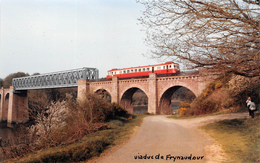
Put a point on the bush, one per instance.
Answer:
(182, 111)
(208, 102)
(218, 85)
(117, 110)
(226, 92)
(241, 87)
(184, 106)
(73, 153)
(66, 122)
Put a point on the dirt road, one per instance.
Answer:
(160, 139)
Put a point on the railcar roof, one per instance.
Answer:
(166, 63)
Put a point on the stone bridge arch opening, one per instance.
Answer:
(135, 100)
(104, 94)
(172, 97)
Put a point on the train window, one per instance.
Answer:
(128, 71)
(170, 66)
(132, 70)
(163, 67)
(124, 71)
(115, 72)
(135, 70)
(140, 70)
(148, 68)
(143, 69)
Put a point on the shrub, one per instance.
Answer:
(240, 87)
(54, 126)
(182, 111)
(130, 118)
(226, 92)
(184, 105)
(218, 85)
(48, 124)
(117, 110)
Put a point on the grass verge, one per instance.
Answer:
(239, 138)
(91, 145)
(178, 116)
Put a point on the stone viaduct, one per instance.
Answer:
(14, 104)
(158, 90)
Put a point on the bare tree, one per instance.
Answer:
(8, 79)
(1, 82)
(221, 35)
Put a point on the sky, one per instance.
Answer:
(46, 36)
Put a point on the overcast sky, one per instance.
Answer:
(54, 35)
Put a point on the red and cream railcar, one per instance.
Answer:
(168, 68)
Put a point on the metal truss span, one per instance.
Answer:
(60, 79)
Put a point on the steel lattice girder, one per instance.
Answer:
(60, 79)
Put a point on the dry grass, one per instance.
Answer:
(239, 138)
(90, 146)
(215, 154)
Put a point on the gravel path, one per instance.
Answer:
(164, 139)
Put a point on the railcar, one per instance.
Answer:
(165, 69)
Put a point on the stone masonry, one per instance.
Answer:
(13, 106)
(157, 89)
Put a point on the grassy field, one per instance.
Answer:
(90, 146)
(239, 138)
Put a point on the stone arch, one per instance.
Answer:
(95, 89)
(126, 98)
(104, 94)
(165, 99)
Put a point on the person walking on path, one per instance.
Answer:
(251, 107)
